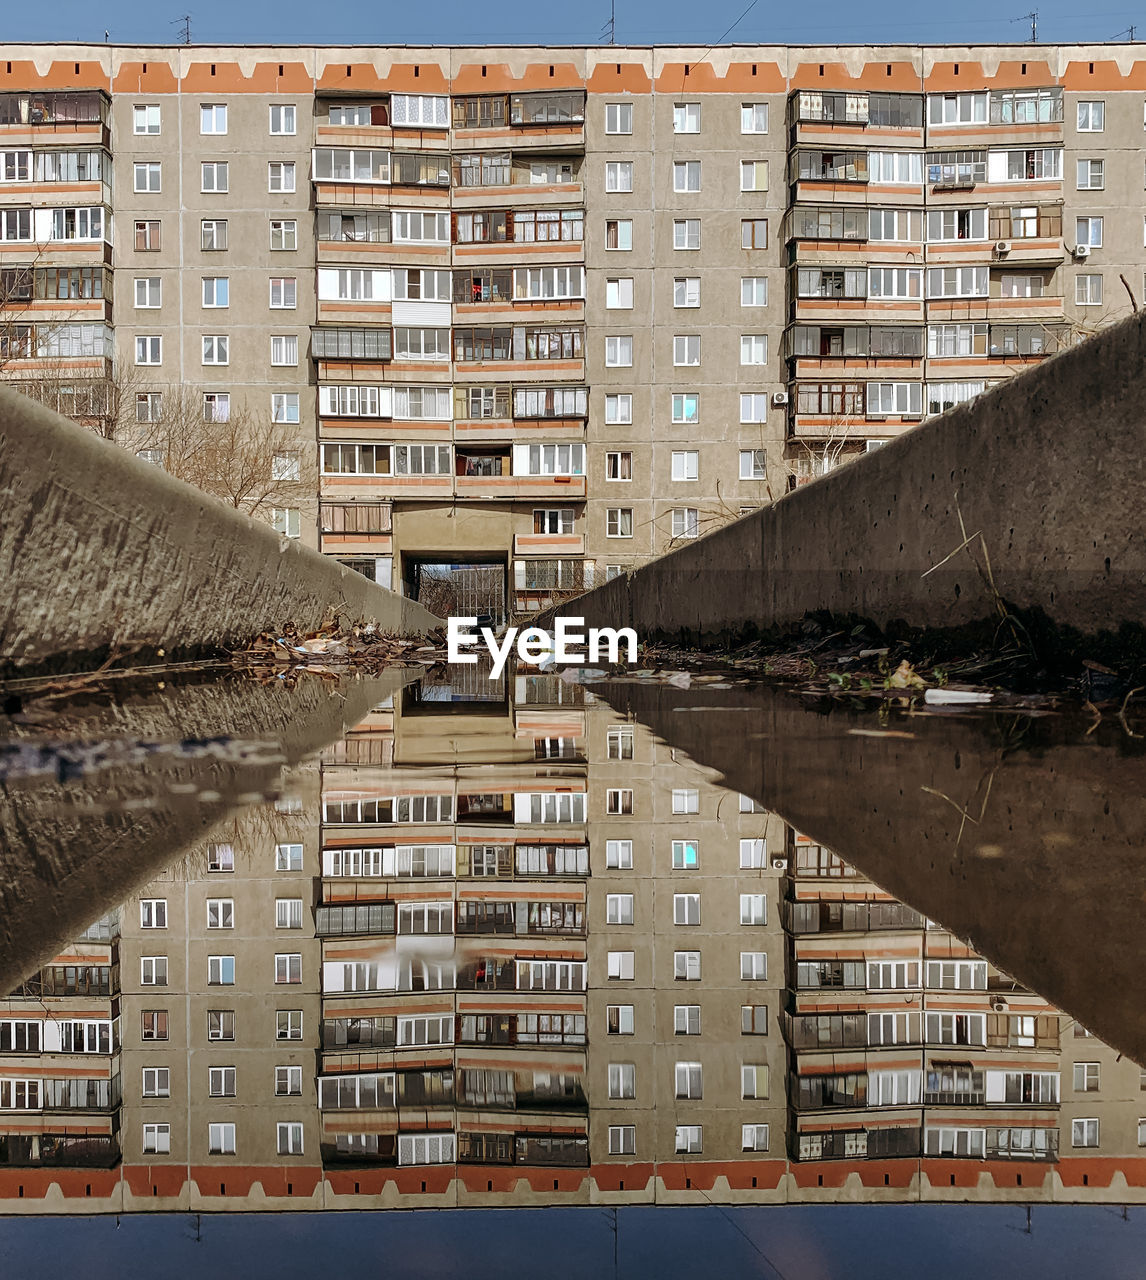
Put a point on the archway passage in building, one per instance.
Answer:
(461, 589)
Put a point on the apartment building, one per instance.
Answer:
(521, 319)
(503, 946)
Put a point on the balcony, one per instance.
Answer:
(850, 917)
(856, 1144)
(545, 120)
(31, 115)
(59, 1150)
(815, 114)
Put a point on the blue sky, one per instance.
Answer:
(575, 22)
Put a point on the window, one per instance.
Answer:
(284, 349)
(619, 908)
(289, 1139)
(686, 351)
(753, 291)
(145, 118)
(688, 1080)
(280, 176)
(147, 236)
(753, 908)
(221, 1139)
(618, 800)
(148, 350)
(619, 411)
(619, 522)
(153, 1024)
(213, 118)
(216, 406)
(686, 1019)
(409, 110)
(1091, 175)
(284, 292)
(686, 291)
(621, 965)
(753, 466)
(622, 1139)
(1088, 290)
(618, 175)
(686, 233)
(688, 1139)
(288, 1024)
(153, 913)
(686, 175)
(1088, 231)
(148, 177)
(283, 118)
(753, 1019)
(1091, 117)
(288, 1081)
(214, 176)
(618, 233)
(220, 913)
(685, 522)
(288, 913)
(619, 855)
(622, 1080)
(213, 234)
(754, 177)
(216, 349)
(685, 800)
(686, 407)
(753, 348)
(753, 407)
(619, 466)
(1086, 1077)
(221, 1082)
(686, 908)
(284, 406)
(753, 966)
(618, 117)
(288, 968)
(1084, 1133)
(15, 224)
(284, 234)
(754, 117)
(619, 1019)
(686, 966)
(156, 1137)
(148, 291)
(619, 352)
(156, 1082)
(753, 1081)
(153, 971)
(220, 1024)
(754, 233)
(685, 464)
(686, 117)
(619, 292)
(216, 291)
(753, 854)
(619, 743)
(149, 408)
(754, 1137)
(221, 971)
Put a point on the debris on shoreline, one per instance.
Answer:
(334, 650)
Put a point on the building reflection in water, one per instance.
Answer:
(501, 946)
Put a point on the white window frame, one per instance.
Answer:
(685, 465)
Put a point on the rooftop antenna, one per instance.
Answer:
(184, 23)
(1033, 19)
(610, 27)
(1128, 33)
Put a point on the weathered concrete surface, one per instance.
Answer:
(176, 760)
(1045, 875)
(100, 550)
(1050, 468)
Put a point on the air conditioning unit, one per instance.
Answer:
(1082, 251)
(779, 864)
(1002, 247)
(998, 1004)
(779, 399)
